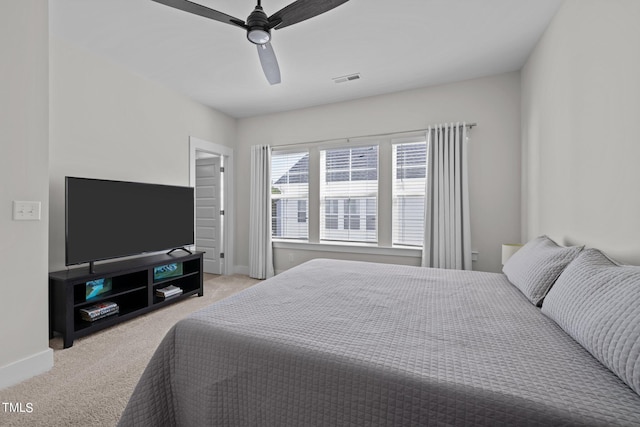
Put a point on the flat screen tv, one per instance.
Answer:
(109, 219)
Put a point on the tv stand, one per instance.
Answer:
(179, 249)
(133, 288)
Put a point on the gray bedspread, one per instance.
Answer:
(340, 343)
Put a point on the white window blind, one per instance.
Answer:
(349, 194)
(290, 195)
(409, 172)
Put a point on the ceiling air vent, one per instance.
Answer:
(348, 78)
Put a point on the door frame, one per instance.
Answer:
(197, 144)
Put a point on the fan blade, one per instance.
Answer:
(269, 63)
(201, 10)
(300, 10)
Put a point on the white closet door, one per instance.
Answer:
(208, 217)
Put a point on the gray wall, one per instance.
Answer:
(580, 111)
(24, 154)
(492, 102)
(109, 123)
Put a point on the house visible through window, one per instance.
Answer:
(409, 172)
(348, 194)
(289, 195)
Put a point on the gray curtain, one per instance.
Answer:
(260, 247)
(447, 235)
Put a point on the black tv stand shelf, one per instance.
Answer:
(133, 289)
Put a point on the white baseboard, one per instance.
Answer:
(26, 368)
(241, 269)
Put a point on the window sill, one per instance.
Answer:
(348, 248)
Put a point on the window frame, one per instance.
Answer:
(352, 193)
(413, 187)
(318, 214)
(290, 202)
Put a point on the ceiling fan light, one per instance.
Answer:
(258, 36)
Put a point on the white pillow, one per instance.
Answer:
(537, 265)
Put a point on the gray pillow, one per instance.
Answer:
(537, 265)
(597, 302)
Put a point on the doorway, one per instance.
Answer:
(211, 175)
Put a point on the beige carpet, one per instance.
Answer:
(91, 382)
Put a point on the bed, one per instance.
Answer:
(345, 343)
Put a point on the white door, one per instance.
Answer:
(208, 212)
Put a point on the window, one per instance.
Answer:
(409, 172)
(331, 214)
(289, 195)
(368, 191)
(348, 194)
(302, 211)
(352, 214)
(372, 213)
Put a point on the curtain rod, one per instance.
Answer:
(469, 125)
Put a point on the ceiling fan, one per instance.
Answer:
(259, 26)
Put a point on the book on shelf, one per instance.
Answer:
(168, 291)
(101, 316)
(99, 311)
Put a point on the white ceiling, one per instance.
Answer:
(394, 45)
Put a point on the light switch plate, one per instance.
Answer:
(26, 211)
